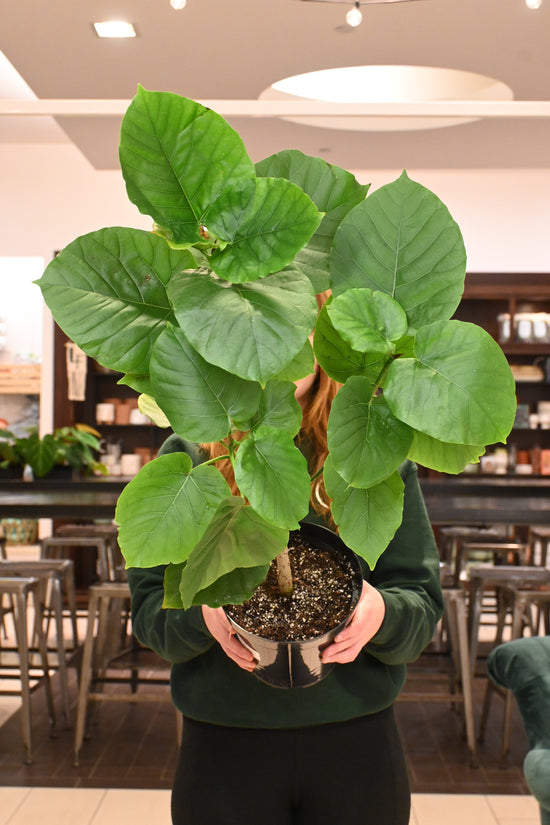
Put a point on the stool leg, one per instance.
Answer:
(474, 618)
(71, 602)
(85, 677)
(517, 632)
(489, 690)
(57, 605)
(20, 624)
(44, 658)
(459, 635)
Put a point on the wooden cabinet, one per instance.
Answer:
(101, 387)
(512, 308)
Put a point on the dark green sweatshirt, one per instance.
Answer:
(208, 686)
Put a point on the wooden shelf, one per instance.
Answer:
(20, 379)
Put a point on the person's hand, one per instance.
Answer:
(365, 622)
(218, 624)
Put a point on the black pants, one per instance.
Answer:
(350, 773)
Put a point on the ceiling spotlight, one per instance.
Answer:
(114, 28)
(533, 4)
(354, 16)
(178, 4)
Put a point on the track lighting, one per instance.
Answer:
(354, 16)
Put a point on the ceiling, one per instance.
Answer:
(217, 49)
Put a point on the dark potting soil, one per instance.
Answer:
(321, 599)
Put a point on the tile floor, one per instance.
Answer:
(116, 782)
(99, 806)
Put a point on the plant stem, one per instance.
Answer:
(284, 573)
(217, 458)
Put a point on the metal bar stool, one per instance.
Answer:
(54, 575)
(539, 539)
(18, 591)
(109, 531)
(521, 598)
(453, 536)
(502, 552)
(56, 547)
(105, 648)
(496, 577)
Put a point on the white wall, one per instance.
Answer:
(504, 215)
(50, 194)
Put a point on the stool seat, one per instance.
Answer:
(55, 546)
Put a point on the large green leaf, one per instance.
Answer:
(107, 291)
(235, 538)
(233, 588)
(403, 241)
(139, 383)
(265, 222)
(366, 519)
(199, 399)
(172, 578)
(252, 330)
(369, 321)
(459, 388)
(165, 509)
(272, 474)
(443, 457)
(177, 157)
(366, 441)
(333, 190)
(301, 365)
(279, 408)
(338, 359)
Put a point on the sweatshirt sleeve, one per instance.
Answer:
(407, 574)
(176, 635)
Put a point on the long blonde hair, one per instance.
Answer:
(312, 438)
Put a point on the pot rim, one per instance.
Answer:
(338, 547)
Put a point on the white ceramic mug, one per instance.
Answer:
(130, 463)
(105, 413)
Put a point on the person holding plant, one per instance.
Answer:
(207, 318)
(329, 753)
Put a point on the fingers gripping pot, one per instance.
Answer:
(297, 662)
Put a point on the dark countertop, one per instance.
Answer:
(449, 499)
(477, 499)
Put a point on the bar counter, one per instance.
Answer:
(78, 499)
(479, 500)
(466, 499)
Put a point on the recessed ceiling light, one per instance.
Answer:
(381, 84)
(114, 28)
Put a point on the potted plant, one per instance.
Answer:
(72, 449)
(210, 317)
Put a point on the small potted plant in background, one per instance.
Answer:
(210, 316)
(70, 449)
